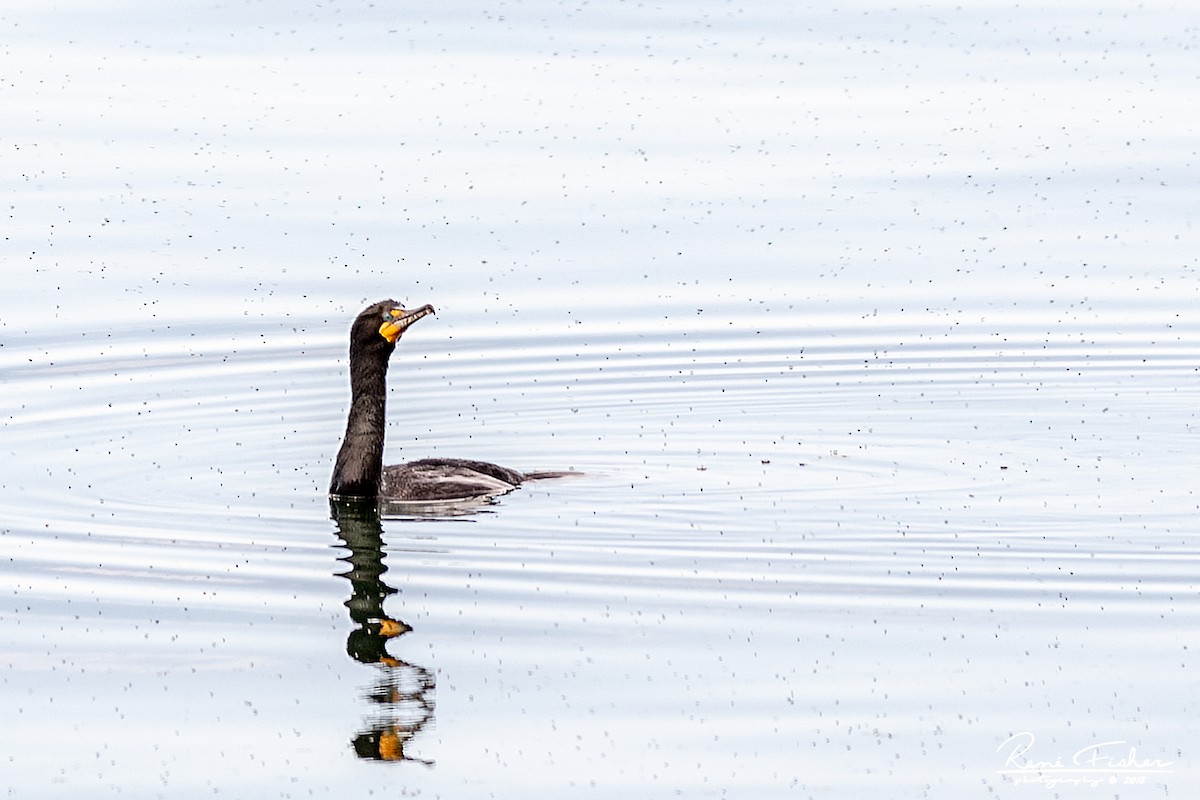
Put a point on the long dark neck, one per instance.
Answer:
(360, 461)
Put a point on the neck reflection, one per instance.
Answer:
(402, 692)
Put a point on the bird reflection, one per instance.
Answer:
(402, 694)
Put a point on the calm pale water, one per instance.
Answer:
(871, 328)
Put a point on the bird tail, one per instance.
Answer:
(548, 474)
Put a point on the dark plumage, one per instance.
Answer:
(358, 472)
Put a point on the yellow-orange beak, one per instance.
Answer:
(397, 321)
(391, 746)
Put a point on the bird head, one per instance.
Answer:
(384, 322)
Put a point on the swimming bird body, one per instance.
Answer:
(358, 472)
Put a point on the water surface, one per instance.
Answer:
(869, 329)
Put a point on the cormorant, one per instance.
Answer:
(358, 473)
